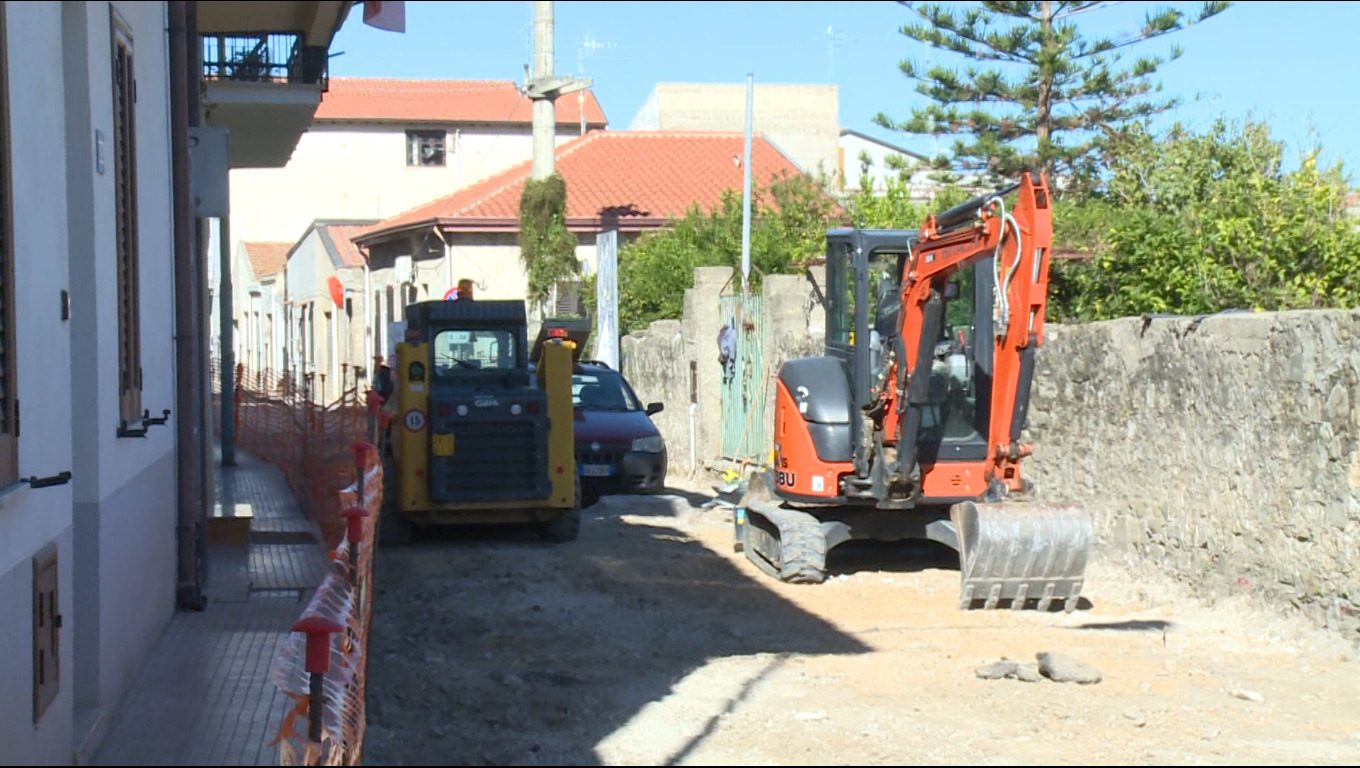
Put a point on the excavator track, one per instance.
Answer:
(785, 543)
(1020, 554)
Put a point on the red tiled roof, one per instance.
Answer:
(267, 258)
(443, 101)
(645, 178)
(340, 235)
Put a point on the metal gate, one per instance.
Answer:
(745, 426)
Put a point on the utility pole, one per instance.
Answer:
(746, 190)
(544, 89)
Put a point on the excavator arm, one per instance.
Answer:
(1017, 240)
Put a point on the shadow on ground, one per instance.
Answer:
(491, 647)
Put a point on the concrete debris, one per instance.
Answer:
(1061, 668)
(997, 671)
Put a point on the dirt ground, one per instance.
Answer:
(649, 641)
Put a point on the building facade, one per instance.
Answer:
(630, 182)
(375, 148)
(802, 120)
(103, 485)
(863, 157)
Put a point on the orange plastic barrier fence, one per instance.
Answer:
(328, 457)
(322, 666)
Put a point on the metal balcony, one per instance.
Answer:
(270, 57)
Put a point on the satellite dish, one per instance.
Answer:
(337, 290)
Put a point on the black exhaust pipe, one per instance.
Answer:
(964, 213)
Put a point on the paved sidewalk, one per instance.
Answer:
(204, 696)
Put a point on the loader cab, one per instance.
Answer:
(483, 423)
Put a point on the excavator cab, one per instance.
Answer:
(908, 426)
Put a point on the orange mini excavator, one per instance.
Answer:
(909, 425)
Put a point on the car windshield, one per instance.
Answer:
(460, 351)
(601, 392)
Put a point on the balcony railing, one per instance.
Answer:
(269, 57)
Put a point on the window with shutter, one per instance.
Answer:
(568, 298)
(9, 367)
(126, 238)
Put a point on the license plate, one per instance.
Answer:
(596, 470)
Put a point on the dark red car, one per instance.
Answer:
(618, 448)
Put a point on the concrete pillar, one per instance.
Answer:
(784, 328)
(703, 315)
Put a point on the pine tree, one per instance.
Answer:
(1037, 94)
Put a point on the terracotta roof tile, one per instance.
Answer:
(646, 177)
(340, 236)
(443, 101)
(267, 258)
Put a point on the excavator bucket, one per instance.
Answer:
(1021, 552)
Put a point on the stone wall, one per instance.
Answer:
(1224, 451)
(655, 363)
(1221, 451)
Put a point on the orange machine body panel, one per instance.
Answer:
(798, 470)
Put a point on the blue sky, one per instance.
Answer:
(1295, 64)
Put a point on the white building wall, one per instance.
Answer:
(114, 523)
(851, 147)
(131, 503)
(491, 261)
(802, 120)
(31, 519)
(243, 284)
(360, 172)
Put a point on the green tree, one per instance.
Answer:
(546, 246)
(1037, 94)
(1195, 223)
(789, 219)
(895, 208)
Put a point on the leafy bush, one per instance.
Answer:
(1195, 223)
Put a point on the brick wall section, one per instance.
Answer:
(1223, 452)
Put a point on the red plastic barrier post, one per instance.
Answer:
(363, 451)
(318, 630)
(354, 533)
(373, 404)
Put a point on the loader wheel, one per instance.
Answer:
(566, 526)
(394, 530)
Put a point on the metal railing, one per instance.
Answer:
(265, 57)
